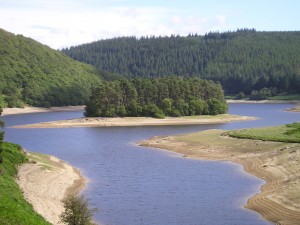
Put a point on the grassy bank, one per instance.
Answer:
(285, 97)
(286, 133)
(14, 209)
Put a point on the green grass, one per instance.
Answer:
(287, 133)
(14, 209)
(285, 97)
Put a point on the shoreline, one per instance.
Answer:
(45, 181)
(138, 121)
(233, 101)
(31, 109)
(278, 199)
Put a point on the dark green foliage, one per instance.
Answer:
(160, 97)
(294, 129)
(77, 211)
(14, 209)
(242, 61)
(37, 75)
(263, 94)
(240, 95)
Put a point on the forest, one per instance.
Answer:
(242, 61)
(37, 75)
(157, 97)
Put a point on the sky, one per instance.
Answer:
(64, 23)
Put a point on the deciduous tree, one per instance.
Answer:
(77, 211)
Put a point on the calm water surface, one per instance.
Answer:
(132, 185)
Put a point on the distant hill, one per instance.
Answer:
(242, 61)
(35, 74)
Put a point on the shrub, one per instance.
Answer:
(77, 211)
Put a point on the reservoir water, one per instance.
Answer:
(132, 185)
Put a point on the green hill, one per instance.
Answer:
(242, 61)
(35, 74)
(14, 209)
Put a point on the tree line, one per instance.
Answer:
(242, 61)
(159, 97)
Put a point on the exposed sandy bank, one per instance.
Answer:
(296, 108)
(264, 101)
(138, 121)
(30, 109)
(277, 163)
(47, 182)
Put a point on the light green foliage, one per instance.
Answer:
(285, 133)
(3, 103)
(242, 61)
(14, 209)
(77, 211)
(160, 97)
(37, 75)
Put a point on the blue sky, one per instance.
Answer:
(63, 23)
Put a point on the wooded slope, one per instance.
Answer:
(242, 61)
(35, 74)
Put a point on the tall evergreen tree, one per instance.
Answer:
(156, 98)
(241, 61)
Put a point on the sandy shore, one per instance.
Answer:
(138, 121)
(277, 163)
(296, 108)
(46, 182)
(264, 101)
(30, 109)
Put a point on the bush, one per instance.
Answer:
(77, 211)
(263, 94)
(240, 95)
(153, 111)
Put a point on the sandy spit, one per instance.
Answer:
(137, 121)
(276, 163)
(296, 108)
(30, 109)
(47, 180)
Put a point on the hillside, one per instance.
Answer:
(242, 61)
(14, 209)
(35, 74)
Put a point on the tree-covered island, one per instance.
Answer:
(160, 97)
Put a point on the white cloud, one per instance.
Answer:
(66, 23)
(220, 20)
